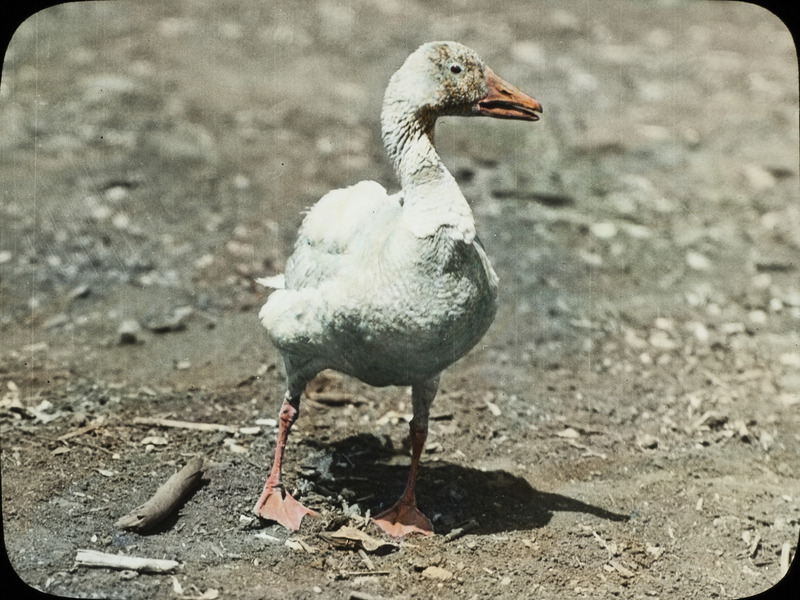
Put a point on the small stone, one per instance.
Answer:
(56, 321)
(700, 332)
(697, 261)
(569, 433)
(437, 573)
(82, 291)
(732, 328)
(634, 341)
(661, 340)
(493, 408)
(757, 177)
(155, 440)
(528, 52)
(647, 441)
(241, 182)
(790, 359)
(761, 281)
(116, 193)
(604, 230)
(129, 332)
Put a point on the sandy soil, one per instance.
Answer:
(628, 428)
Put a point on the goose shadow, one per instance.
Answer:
(361, 467)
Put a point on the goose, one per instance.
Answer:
(391, 288)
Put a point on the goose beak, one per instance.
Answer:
(504, 101)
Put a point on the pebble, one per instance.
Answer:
(661, 340)
(757, 177)
(790, 359)
(155, 440)
(82, 291)
(438, 573)
(732, 328)
(604, 230)
(700, 331)
(697, 261)
(528, 52)
(128, 332)
(647, 441)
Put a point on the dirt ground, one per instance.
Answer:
(628, 428)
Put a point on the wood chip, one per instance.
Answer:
(621, 569)
(604, 544)
(350, 538)
(93, 558)
(166, 499)
(299, 545)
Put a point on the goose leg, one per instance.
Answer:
(404, 517)
(275, 503)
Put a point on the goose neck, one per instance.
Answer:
(431, 195)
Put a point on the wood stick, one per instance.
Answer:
(784, 560)
(85, 429)
(157, 422)
(93, 558)
(166, 498)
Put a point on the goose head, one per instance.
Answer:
(447, 78)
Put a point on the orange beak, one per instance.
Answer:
(504, 101)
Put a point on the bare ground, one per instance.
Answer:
(627, 429)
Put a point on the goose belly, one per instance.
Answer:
(417, 326)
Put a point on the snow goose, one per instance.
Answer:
(391, 289)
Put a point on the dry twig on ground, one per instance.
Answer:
(166, 498)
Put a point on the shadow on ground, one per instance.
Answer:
(364, 468)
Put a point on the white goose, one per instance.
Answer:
(391, 289)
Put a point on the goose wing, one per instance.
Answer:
(336, 232)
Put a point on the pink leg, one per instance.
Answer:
(275, 504)
(404, 517)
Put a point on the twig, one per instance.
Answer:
(157, 422)
(364, 596)
(459, 531)
(166, 498)
(366, 559)
(362, 573)
(85, 429)
(93, 558)
(354, 595)
(784, 560)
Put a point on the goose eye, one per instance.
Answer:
(455, 69)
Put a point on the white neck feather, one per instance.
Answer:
(431, 197)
